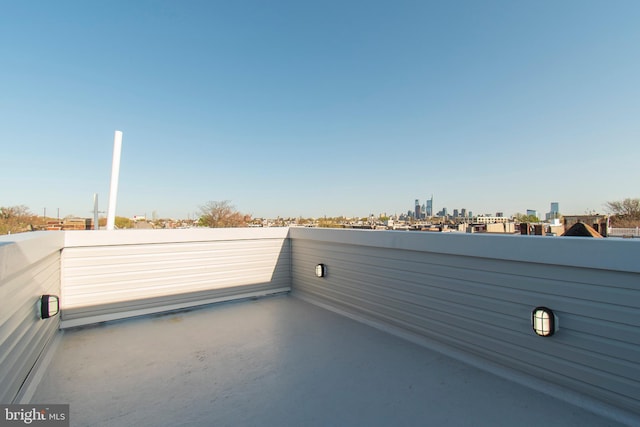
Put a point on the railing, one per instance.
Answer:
(623, 232)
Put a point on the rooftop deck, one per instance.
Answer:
(278, 361)
(233, 327)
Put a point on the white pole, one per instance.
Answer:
(115, 172)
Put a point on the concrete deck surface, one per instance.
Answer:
(278, 362)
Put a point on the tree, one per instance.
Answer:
(16, 219)
(219, 214)
(625, 213)
(525, 218)
(628, 208)
(122, 222)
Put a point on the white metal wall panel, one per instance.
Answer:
(29, 268)
(122, 279)
(481, 300)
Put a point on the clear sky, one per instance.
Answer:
(312, 108)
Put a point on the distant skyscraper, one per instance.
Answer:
(456, 213)
(463, 212)
(418, 215)
(533, 212)
(555, 211)
(430, 207)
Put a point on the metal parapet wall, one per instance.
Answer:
(111, 275)
(475, 294)
(29, 268)
(472, 293)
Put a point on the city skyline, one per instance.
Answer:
(314, 109)
(421, 211)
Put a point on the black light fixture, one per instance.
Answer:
(544, 321)
(49, 306)
(321, 270)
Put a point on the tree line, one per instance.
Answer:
(16, 219)
(626, 213)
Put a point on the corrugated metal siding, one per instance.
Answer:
(482, 305)
(102, 280)
(26, 275)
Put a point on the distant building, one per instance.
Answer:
(143, 225)
(418, 209)
(463, 212)
(503, 227)
(554, 211)
(597, 222)
(533, 212)
(429, 209)
(491, 220)
(71, 224)
(456, 213)
(499, 214)
(580, 229)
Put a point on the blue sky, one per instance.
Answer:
(294, 108)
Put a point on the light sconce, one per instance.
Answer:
(49, 306)
(544, 322)
(321, 270)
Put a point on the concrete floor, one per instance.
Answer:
(278, 362)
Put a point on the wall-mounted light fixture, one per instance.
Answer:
(49, 306)
(544, 321)
(321, 270)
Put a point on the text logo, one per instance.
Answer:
(34, 415)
